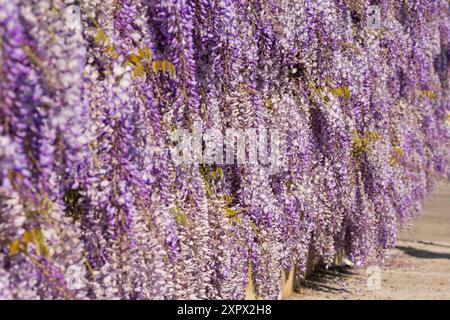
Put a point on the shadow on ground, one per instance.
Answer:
(423, 254)
(328, 280)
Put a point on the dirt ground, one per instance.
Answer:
(418, 268)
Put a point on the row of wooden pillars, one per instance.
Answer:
(288, 281)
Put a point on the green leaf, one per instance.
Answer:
(228, 198)
(230, 212)
(14, 247)
(100, 36)
(27, 237)
(172, 71)
(134, 59)
(208, 189)
(180, 217)
(356, 137)
(156, 65)
(221, 174)
(145, 53)
(111, 49)
(139, 71)
(165, 66)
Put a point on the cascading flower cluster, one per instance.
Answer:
(92, 203)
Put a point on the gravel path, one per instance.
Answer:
(418, 268)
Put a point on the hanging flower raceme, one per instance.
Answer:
(98, 99)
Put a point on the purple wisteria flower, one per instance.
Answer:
(93, 93)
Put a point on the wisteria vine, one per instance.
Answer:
(92, 205)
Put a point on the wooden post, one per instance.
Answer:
(309, 263)
(250, 293)
(287, 283)
(287, 280)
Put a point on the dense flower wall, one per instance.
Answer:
(92, 204)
